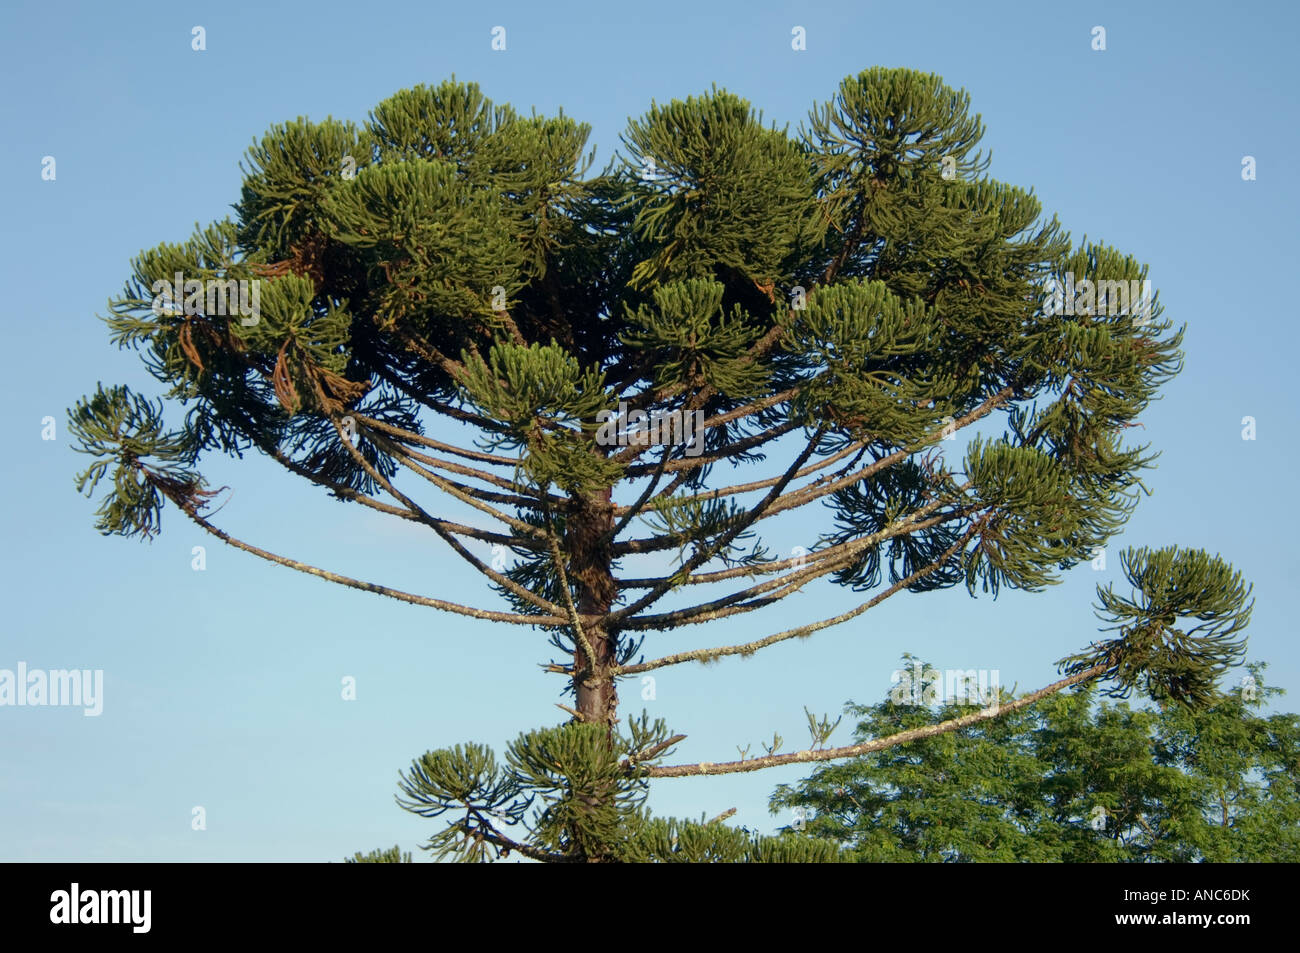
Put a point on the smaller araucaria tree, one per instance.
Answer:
(841, 302)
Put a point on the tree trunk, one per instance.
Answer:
(590, 567)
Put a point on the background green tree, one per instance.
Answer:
(448, 301)
(1071, 778)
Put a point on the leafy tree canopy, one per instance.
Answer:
(841, 299)
(1071, 779)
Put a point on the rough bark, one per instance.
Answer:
(590, 520)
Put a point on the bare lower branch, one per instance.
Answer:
(356, 496)
(843, 555)
(527, 499)
(878, 744)
(749, 648)
(505, 581)
(708, 552)
(188, 508)
(626, 514)
(407, 436)
(726, 452)
(652, 752)
(446, 486)
(824, 487)
(739, 488)
(698, 400)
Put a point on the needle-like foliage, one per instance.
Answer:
(832, 306)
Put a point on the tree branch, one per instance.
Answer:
(788, 583)
(706, 553)
(879, 744)
(749, 648)
(189, 509)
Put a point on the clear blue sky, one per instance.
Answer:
(222, 688)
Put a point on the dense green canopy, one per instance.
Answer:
(1068, 780)
(841, 300)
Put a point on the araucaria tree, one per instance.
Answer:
(840, 301)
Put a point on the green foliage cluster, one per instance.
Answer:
(862, 284)
(390, 855)
(1069, 779)
(587, 800)
(386, 250)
